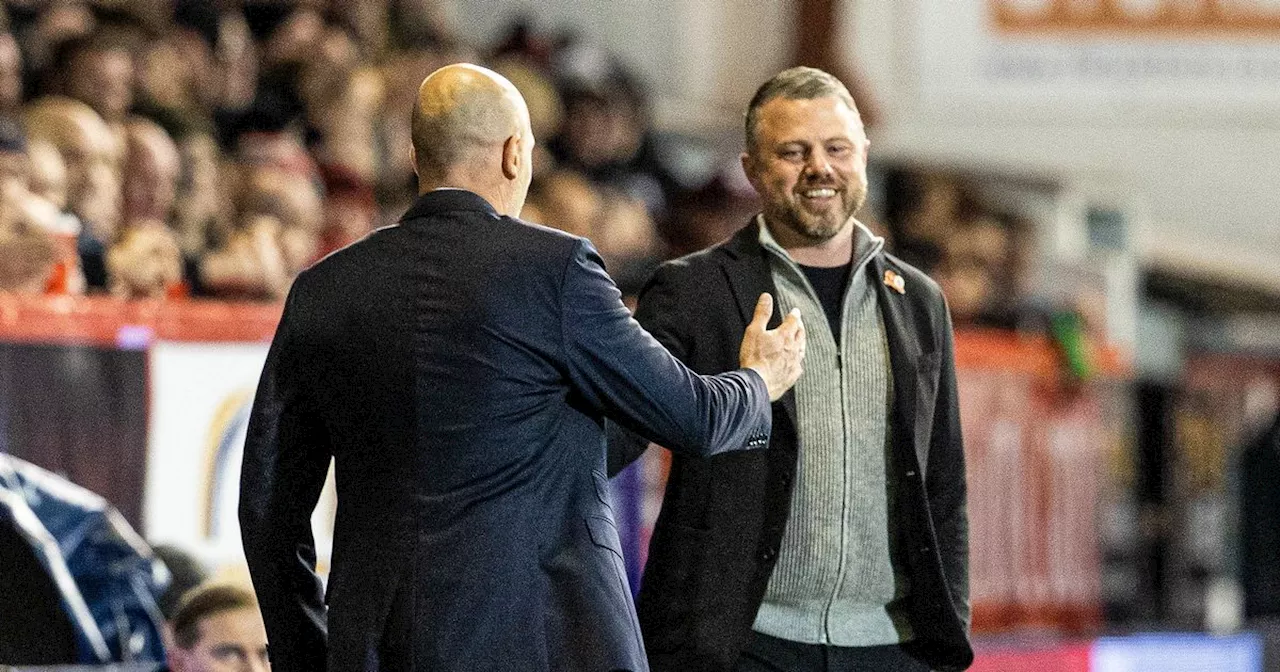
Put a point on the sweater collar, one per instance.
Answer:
(865, 243)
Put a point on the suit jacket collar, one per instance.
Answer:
(439, 201)
(907, 346)
(749, 274)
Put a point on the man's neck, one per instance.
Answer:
(834, 251)
(496, 196)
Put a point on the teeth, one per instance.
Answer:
(820, 193)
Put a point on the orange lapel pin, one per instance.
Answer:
(895, 281)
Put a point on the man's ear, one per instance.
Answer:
(413, 157)
(511, 157)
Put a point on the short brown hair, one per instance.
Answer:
(799, 83)
(204, 601)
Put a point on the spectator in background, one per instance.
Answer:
(276, 235)
(1260, 539)
(98, 71)
(35, 228)
(152, 167)
(10, 76)
(977, 271)
(350, 211)
(217, 627)
(93, 181)
(13, 156)
(565, 200)
(342, 100)
(201, 203)
(618, 225)
(179, 72)
(185, 573)
(250, 265)
(27, 254)
(144, 262)
(605, 136)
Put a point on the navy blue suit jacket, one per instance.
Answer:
(459, 368)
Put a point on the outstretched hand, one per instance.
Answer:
(776, 354)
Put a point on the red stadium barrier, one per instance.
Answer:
(110, 321)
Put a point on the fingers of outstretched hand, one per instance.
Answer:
(764, 310)
(791, 331)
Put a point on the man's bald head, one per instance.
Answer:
(466, 121)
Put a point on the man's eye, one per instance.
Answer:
(839, 150)
(228, 654)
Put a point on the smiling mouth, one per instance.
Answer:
(818, 193)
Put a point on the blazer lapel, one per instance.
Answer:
(747, 271)
(904, 355)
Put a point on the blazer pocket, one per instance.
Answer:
(604, 534)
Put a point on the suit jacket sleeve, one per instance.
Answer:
(286, 460)
(621, 370)
(659, 311)
(946, 482)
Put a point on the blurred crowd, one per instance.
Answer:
(978, 252)
(176, 148)
(171, 148)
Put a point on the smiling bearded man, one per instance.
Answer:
(845, 545)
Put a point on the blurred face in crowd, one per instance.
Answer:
(89, 152)
(600, 131)
(153, 166)
(233, 640)
(10, 74)
(809, 165)
(144, 262)
(968, 287)
(103, 78)
(180, 71)
(294, 40)
(293, 199)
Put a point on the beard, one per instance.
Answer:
(817, 226)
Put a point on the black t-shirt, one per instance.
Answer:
(830, 284)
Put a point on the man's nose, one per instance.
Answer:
(818, 167)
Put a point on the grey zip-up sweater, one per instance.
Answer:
(834, 582)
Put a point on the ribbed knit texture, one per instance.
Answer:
(834, 579)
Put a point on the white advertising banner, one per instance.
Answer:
(200, 397)
(1078, 56)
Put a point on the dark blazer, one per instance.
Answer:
(722, 519)
(459, 367)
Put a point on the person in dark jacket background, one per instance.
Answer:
(1259, 534)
